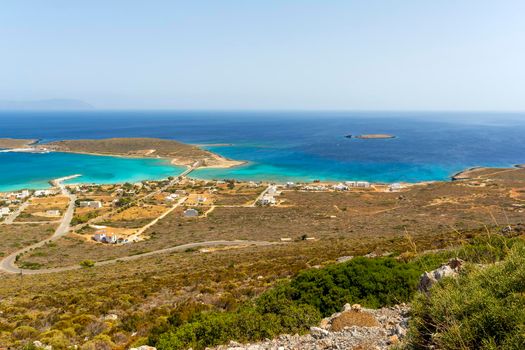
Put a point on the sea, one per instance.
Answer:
(278, 146)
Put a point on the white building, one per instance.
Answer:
(350, 183)
(53, 212)
(90, 204)
(42, 193)
(23, 194)
(364, 184)
(267, 200)
(290, 185)
(340, 187)
(172, 197)
(272, 190)
(395, 187)
(4, 211)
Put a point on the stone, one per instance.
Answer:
(393, 339)
(345, 258)
(325, 323)
(318, 332)
(400, 331)
(110, 317)
(450, 269)
(356, 307)
(144, 347)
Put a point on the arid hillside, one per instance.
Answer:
(180, 153)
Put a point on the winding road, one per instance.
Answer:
(8, 263)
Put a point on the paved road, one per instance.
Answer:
(8, 263)
(154, 221)
(137, 201)
(259, 197)
(179, 248)
(12, 217)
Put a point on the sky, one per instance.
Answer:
(267, 54)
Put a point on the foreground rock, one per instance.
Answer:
(353, 328)
(450, 269)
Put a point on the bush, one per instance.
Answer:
(370, 282)
(294, 306)
(24, 332)
(484, 308)
(87, 263)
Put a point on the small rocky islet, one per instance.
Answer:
(370, 136)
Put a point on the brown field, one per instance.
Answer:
(38, 206)
(15, 143)
(426, 212)
(14, 237)
(182, 154)
(135, 217)
(240, 195)
(143, 292)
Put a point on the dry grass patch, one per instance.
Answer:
(354, 318)
(142, 212)
(14, 237)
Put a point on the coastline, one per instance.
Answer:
(210, 160)
(467, 173)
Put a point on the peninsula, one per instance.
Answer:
(8, 143)
(179, 153)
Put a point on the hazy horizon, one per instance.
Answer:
(292, 56)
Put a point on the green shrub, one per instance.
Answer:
(371, 282)
(294, 306)
(482, 309)
(24, 332)
(87, 263)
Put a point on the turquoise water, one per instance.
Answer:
(282, 145)
(33, 170)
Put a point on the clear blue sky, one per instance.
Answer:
(267, 54)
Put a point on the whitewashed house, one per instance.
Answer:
(395, 187)
(364, 184)
(172, 197)
(340, 187)
(42, 193)
(23, 194)
(267, 200)
(90, 204)
(4, 211)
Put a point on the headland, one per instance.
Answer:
(179, 153)
(9, 143)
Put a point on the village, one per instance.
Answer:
(119, 214)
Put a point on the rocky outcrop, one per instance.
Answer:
(354, 327)
(450, 269)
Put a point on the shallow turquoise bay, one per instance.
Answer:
(33, 171)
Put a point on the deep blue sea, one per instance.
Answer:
(278, 146)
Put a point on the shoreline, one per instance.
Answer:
(220, 162)
(459, 176)
(466, 174)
